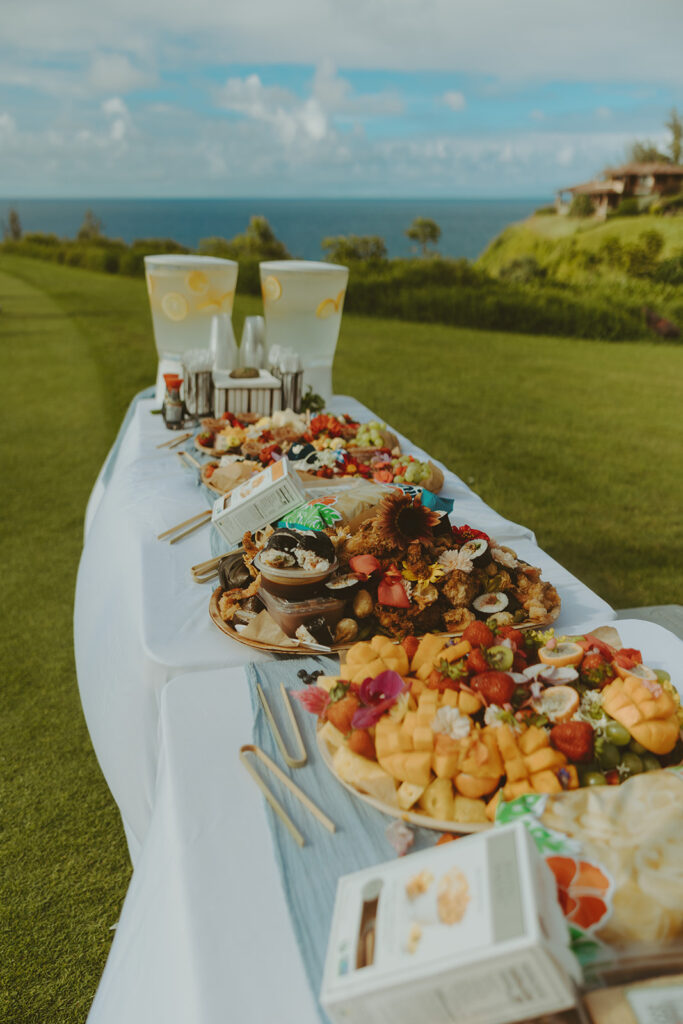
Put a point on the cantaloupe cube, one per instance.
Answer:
(514, 789)
(516, 769)
(408, 794)
(423, 659)
(447, 755)
(455, 652)
(507, 742)
(545, 782)
(468, 703)
(470, 811)
(492, 806)
(533, 739)
(387, 737)
(544, 758)
(437, 800)
(414, 766)
(423, 738)
(449, 699)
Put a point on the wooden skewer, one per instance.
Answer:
(174, 441)
(189, 458)
(186, 522)
(250, 748)
(186, 533)
(278, 808)
(302, 757)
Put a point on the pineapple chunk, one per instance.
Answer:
(408, 794)
(423, 738)
(414, 766)
(470, 811)
(437, 800)
(331, 735)
(367, 776)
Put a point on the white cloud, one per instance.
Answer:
(114, 72)
(7, 125)
(527, 39)
(454, 100)
(115, 107)
(537, 115)
(603, 113)
(565, 155)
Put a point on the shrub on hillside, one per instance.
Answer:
(668, 205)
(581, 206)
(523, 270)
(545, 211)
(670, 271)
(628, 208)
(355, 249)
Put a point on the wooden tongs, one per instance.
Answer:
(250, 748)
(201, 519)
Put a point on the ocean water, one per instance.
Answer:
(467, 225)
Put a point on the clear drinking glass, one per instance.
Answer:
(252, 343)
(185, 292)
(302, 303)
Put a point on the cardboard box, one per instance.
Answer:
(655, 1001)
(262, 499)
(465, 933)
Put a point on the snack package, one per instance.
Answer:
(617, 856)
(347, 502)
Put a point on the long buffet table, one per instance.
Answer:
(204, 934)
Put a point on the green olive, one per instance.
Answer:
(631, 763)
(594, 779)
(609, 756)
(617, 733)
(650, 763)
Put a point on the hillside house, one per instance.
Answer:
(633, 179)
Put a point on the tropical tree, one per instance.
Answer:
(12, 229)
(425, 232)
(355, 248)
(646, 152)
(90, 228)
(675, 126)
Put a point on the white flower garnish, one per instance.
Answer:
(496, 716)
(504, 557)
(451, 722)
(456, 559)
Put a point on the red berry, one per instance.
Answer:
(574, 739)
(410, 644)
(342, 711)
(438, 681)
(510, 633)
(476, 661)
(494, 687)
(361, 742)
(478, 634)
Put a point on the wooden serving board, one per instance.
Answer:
(411, 817)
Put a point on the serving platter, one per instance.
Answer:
(410, 817)
(660, 649)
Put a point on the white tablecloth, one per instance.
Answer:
(205, 935)
(140, 620)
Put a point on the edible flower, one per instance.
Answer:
(314, 699)
(363, 566)
(435, 573)
(464, 533)
(391, 590)
(377, 696)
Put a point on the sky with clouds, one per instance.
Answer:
(329, 97)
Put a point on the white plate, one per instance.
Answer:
(659, 648)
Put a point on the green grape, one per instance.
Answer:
(616, 733)
(662, 675)
(609, 756)
(637, 747)
(631, 764)
(594, 779)
(650, 763)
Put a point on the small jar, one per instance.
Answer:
(173, 408)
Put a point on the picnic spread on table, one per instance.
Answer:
(310, 657)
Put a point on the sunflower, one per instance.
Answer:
(402, 519)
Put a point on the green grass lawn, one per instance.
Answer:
(582, 441)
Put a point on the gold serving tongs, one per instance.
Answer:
(175, 441)
(250, 748)
(203, 572)
(291, 762)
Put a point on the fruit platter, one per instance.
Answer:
(324, 447)
(403, 570)
(437, 731)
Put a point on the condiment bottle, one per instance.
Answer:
(173, 408)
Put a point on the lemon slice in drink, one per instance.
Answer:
(197, 282)
(226, 300)
(326, 308)
(272, 289)
(174, 305)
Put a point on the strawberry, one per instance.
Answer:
(342, 711)
(519, 662)
(510, 633)
(574, 740)
(494, 687)
(410, 644)
(627, 657)
(612, 777)
(478, 634)
(595, 672)
(476, 661)
(438, 681)
(361, 742)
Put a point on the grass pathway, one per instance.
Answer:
(581, 441)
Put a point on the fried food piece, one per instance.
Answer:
(457, 619)
(460, 588)
(230, 601)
